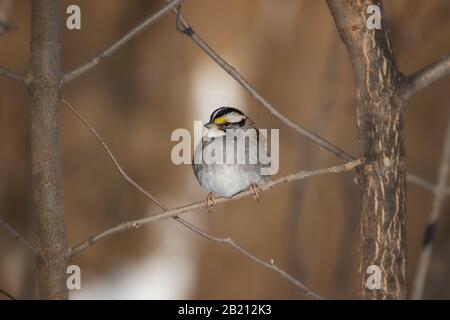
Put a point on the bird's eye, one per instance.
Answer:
(227, 124)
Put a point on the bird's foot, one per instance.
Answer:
(255, 190)
(210, 201)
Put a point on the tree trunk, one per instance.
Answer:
(380, 128)
(48, 213)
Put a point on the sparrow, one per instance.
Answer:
(222, 176)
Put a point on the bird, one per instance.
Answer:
(225, 174)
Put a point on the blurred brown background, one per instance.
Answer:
(161, 81)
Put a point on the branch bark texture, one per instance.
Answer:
(380, 128)
(48, 213)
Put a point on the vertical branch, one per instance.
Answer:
(380, 128)
(48, 214)
(438, 202)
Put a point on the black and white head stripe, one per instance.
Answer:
(220, 112)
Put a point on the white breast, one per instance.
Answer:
(226, 180)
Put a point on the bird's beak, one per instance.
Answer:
(210, 125)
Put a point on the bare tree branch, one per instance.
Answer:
(7, 294)
(438, 201)
(12, 75)
(121, 42)
(17, 236)
(425, 77)
(270, 265)
(110, 154)
(47, 203)
(174, 213)
(184, 27)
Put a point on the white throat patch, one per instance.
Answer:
(214, 133)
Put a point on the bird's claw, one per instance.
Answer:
(210, 201)
(255, 190)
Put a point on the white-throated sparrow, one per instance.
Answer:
(226, 161)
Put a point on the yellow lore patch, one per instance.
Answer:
(219, 120)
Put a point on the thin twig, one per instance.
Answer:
(421, 182)
(174, 213)
(17, 236)
(438, 202)
(270, 265)
(184, 27)
(12, 76)
(121, 42)
(426, 76)
(110, 154)
(7, 294)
